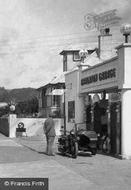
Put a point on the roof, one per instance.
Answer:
(92, 60)
(59, 79)
(90, 50)
(68, 51)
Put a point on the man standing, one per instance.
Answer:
(49, 129)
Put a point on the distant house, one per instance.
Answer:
(51, 98)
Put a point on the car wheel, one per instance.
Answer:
(74, 150)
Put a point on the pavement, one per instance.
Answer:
(19, 161)
(24, 157)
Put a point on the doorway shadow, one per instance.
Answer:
(82, 154)
(110, 155)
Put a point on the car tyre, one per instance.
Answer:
(74, 150)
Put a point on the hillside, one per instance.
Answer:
(17, 95)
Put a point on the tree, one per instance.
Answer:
(27, 107)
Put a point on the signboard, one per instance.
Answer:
(107, 74)
(100, 77)
(102, 20)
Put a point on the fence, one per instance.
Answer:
(4, 126)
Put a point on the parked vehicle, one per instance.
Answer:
(68, 145)
(87, 141)
(77, 140)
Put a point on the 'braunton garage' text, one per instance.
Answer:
(99, 77)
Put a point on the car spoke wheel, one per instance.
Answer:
(74, 150)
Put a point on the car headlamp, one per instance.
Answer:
(72, 132)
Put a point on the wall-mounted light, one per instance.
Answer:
(83, 54)
(126, 31)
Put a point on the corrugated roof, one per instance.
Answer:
(56, 79)
(93, 58)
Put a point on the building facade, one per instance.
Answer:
(99, 98)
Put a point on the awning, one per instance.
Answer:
(57, 92)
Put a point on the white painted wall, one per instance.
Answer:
(70, 63)
(124, 52)
(127, 66)
(126, 124)
(72, 93)
(34, 126)
(121, 73)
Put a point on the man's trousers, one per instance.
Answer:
(50, 143)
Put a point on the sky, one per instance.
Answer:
(34, 32)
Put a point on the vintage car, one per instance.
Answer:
(77, 140)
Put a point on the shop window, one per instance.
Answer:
(71, 110)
